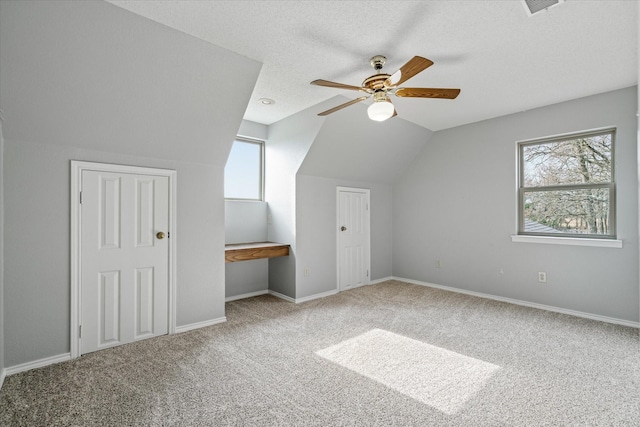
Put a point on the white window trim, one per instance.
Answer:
(605, 241)
(261, 143)
(571, 241)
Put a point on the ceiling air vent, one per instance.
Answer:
(535, 6)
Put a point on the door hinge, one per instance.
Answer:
(367, 273)
(81, 197)
(80, 331)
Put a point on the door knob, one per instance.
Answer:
(343, 228)
(160, 235)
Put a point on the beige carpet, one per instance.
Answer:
(391, 354)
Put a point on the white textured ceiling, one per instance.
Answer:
(503, 60)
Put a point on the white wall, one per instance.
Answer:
(457, 204)
(253, 130)
(91, 81)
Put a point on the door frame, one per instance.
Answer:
(77, 167)
(368, 228)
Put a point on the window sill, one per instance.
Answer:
(573, 241)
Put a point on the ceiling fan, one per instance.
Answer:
(381, 85)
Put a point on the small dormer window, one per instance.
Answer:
(244, 171)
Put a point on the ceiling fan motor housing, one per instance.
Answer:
(375, 82)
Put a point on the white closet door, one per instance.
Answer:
(353, 238)
(124, 258)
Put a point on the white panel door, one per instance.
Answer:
(353, 238)
(124, 261)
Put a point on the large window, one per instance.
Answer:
(243, 173)
(566, 186)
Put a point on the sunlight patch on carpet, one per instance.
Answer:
(440, 378)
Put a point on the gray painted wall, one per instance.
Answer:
(246, 277)
(37, 274)
(350, 146)
(457, 204)
(2, 365)
(351, 151)
(246, 221)
(638, 164)
(90, 81)
(316, 238)
(287, 145)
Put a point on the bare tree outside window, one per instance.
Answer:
(566, 186)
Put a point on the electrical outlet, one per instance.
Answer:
(438, 264)
(542, 277)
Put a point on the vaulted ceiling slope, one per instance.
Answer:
(349, 146)
(92, 75)
(504, 60)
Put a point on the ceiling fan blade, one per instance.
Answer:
(425, 92)
(341, 106)
(408, 70)
(327, 83)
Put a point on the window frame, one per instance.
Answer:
(610, 185)
(261, 144)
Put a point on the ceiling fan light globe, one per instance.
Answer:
(380, 111)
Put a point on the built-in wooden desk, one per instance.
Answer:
(256, 250)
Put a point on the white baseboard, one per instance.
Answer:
(281, 296)
(525, 303)
(36, 364)
(67, 356)
(198, 325)
(247, 295)
(322, 294)
(304, 299)
(316, 296)
(384, 279)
